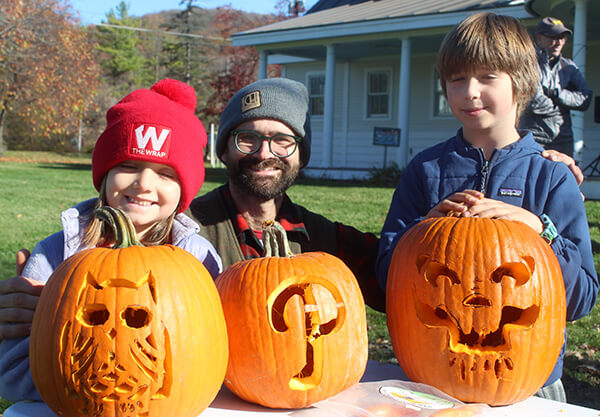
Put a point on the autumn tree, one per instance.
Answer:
(239, 65)
(48, 75)
(121, 55)
(190, 49)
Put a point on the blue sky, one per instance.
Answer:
(94, 11)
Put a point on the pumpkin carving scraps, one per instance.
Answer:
(129, 331)
(476, 307)
(296, 326)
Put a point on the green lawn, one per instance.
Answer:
(36, 187)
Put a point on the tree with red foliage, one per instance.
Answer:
(240, 64)
(48, 75)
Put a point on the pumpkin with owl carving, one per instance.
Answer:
(130, 331)
(476, 307)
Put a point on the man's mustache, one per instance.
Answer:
(250, 162)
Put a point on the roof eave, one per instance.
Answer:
(399, 24)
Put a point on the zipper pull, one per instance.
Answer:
(485, 166)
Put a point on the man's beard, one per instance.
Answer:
(264, 188)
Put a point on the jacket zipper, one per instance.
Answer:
(485, 167)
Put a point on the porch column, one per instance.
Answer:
(262, 64)
(329, 107)
(579, 51)
(402, 156)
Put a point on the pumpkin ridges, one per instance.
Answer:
(186, 297)
(269, 273)
(91, 262)
(77, 261)
(423, 236)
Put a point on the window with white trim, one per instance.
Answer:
(378, 94)
(316, 94)
(441, 108)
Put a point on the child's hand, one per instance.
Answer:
(494, 209)
(18, 298)
(457, 204)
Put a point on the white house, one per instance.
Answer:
(371, 64)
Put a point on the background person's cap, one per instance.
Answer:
(552, 27)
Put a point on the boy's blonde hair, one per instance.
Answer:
(98, 233)
(494, 42)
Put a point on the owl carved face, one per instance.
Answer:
(117, 351)
(468, 300)
(129, 331)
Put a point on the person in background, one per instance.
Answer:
(148, 163)
(562, 88)
(487, 67)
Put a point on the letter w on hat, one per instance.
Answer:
(158, 136)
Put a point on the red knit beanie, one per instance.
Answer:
(156, 125)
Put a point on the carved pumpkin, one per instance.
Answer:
(476, 307)
(130, 331)
(297, 328)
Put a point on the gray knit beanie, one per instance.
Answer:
(279, 99)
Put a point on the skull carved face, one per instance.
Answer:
(468, 300)
(116, 353)
(479, 330)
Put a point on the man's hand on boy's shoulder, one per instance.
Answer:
(553, 155)
(495, 209)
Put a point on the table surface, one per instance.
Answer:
(227, 404)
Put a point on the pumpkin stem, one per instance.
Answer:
(275, 240)
(119, 221)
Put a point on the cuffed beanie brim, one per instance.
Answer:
(278, 99)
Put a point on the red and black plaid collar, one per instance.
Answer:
(251, 246)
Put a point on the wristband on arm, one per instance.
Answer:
(549, 233)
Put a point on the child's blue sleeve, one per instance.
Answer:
(45, 258)
(573, 246)
(16, 382)
(202, 249)
(408, 207)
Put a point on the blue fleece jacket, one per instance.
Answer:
(516, 174)
(16, 383)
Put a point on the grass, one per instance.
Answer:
(37, 186)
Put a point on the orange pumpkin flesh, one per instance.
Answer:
(476, 307)
(137, 331)
(297, 329)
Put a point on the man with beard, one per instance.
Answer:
(264, 140)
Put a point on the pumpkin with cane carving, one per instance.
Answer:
(129, 331)
(476, 307)
(296, 325)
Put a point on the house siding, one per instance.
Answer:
(353, 133)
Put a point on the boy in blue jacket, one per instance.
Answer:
(488, 71)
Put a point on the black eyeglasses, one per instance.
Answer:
(249, 142)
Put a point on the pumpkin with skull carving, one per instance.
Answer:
(476, 307)
(130, 331)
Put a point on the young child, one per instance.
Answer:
(488, 70)
(148, 163)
